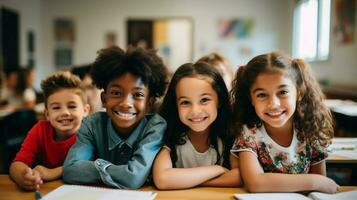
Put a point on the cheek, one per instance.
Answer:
(181, 113)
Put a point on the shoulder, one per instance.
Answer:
(95, 119)
(41, 129)
(252, 132)
(154, 119)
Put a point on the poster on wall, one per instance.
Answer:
(344, 26)
(235, 28)
(64, 41)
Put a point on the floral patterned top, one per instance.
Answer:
(295, 159)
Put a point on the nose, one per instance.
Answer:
(65, 112)
(196, 109)
(127, 101)
(274, 102)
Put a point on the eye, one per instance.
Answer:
(55, 107)
(283, 93)
(205, 100)
(139, 95)
(72, 106)
(115, 93)
(184, 102)
(261, 95)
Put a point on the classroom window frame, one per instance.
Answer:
(311, 29)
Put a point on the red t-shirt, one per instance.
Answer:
(40, 148)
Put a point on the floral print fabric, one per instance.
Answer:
(295, 159)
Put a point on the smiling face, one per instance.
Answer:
(65, 111)
(274, 99)
(126, 100)
(197, 103)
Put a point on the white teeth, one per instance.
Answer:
(275, 113)
(197, 119)
(65, 121)
(125, 115)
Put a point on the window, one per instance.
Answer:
(311, 31)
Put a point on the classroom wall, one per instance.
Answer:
(30, 20)
(93, 18)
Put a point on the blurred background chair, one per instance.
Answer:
(13, 130)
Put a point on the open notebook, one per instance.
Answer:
(350, 195)
(75, 192)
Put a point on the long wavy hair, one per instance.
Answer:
(176, 130)
(312, 119)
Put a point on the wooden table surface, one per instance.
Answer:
(10, 191)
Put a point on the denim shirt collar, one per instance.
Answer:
(114, 139)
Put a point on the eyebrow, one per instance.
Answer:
(261, 89)
(135, 88)
(182, 97)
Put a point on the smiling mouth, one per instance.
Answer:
(125, 115)
(275, 114)
(197, 120)
(65, 121)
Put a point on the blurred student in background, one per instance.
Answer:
(92, 92)
(223, 66)
(17, 91)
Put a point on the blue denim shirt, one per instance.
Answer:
(100, 154)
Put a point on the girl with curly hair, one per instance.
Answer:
(283, 126)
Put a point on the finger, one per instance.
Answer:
(29, 176)
(37, 175)
(29, 185)
(27, 171)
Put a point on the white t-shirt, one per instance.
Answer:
(188, 156)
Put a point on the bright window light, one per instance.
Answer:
(311, 31)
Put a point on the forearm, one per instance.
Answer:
(276, 182)
(180, 178)
(53, 174)
(80, 172)
(228, 179)
(17, 169)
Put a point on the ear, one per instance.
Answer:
(151, 101)
(102, 97)
(46, 114)
(150, 104)
(87, 109)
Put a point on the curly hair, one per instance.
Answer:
(312, 118)
(176, 130)
(62, 80)
(113, 62)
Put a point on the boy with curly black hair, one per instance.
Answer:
(118, 146)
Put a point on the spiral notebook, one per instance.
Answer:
(75, 192)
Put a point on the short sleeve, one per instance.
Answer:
(245, 142)
(318, 154)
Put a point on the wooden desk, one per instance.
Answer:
(343, 160)
(10, 191)
(339, 152)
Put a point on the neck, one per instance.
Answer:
(200, 140)
(281, 135)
